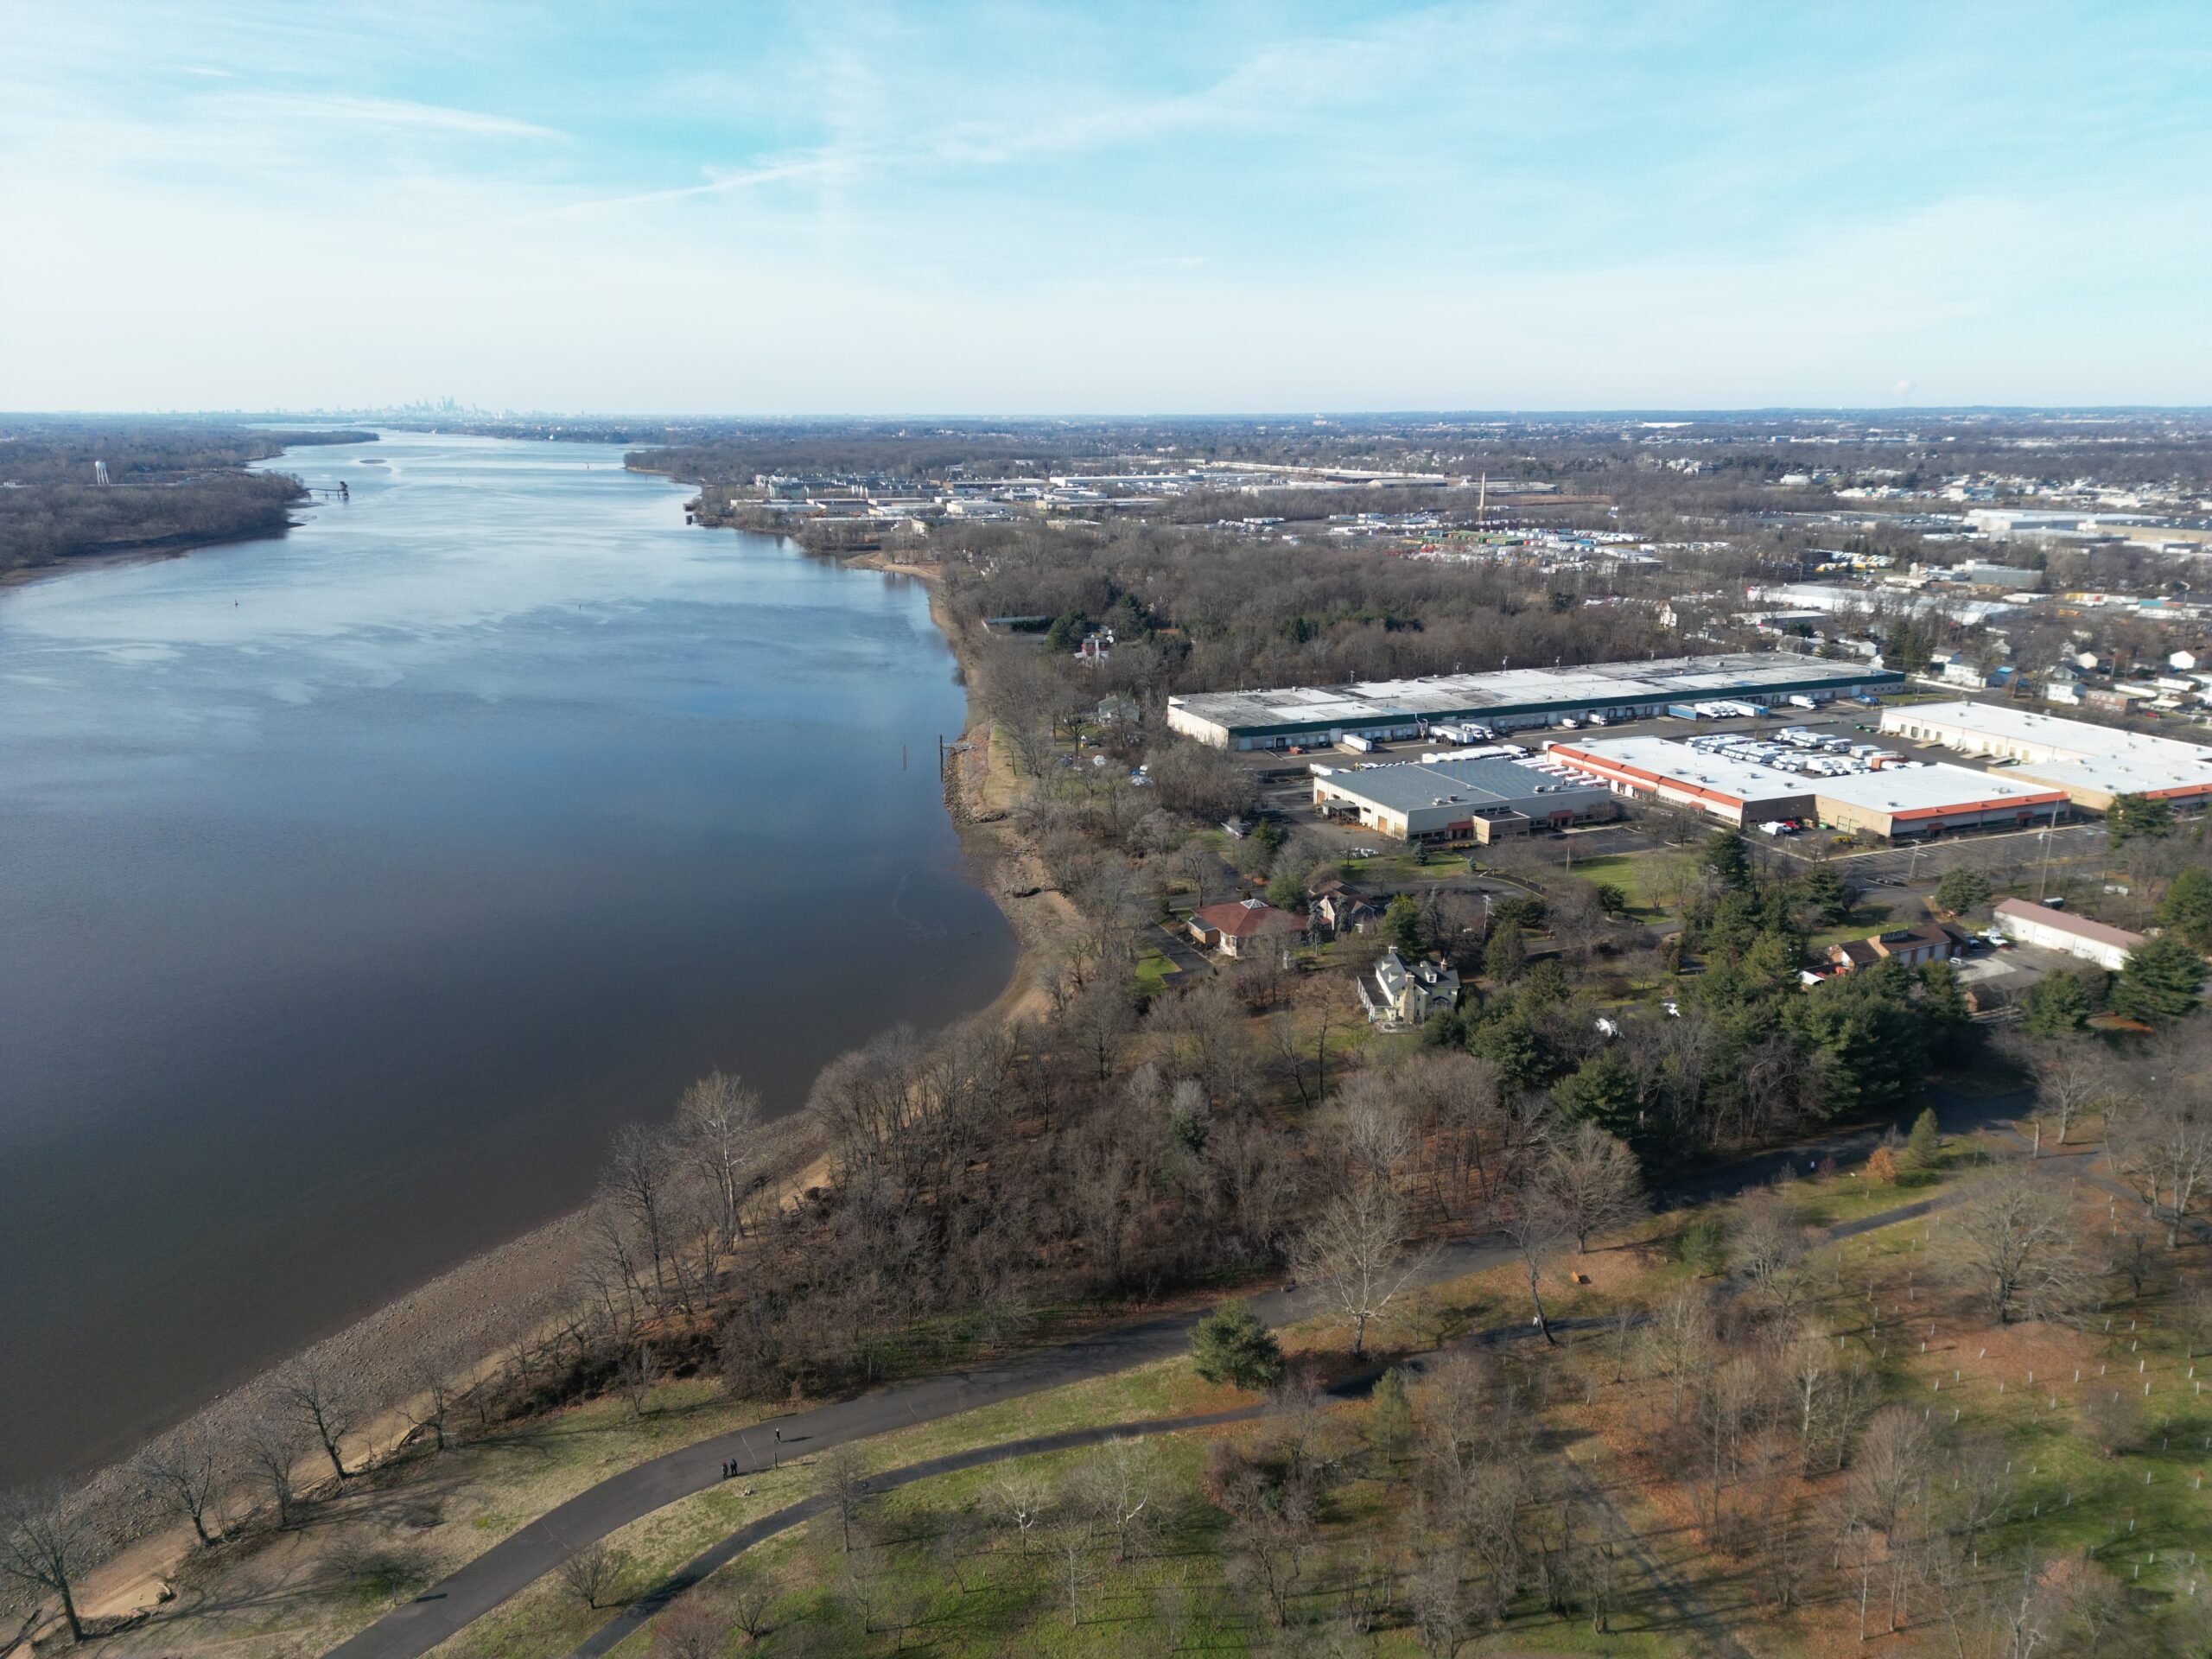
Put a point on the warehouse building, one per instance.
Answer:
(1739, 792)
(2091, 764)
(1892, 802)
(1386, 710)
(1482, 799)
(1900, 801)
(2077, 935)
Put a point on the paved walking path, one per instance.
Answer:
(527, 1555)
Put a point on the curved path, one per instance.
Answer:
(528, 1555)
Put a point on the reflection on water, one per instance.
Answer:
(353, 887)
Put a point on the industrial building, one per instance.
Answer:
(1899, 801)
(1892, 801)
(1479, 798)
(2092, 763)
(1739, 792)
(2053, 930)
(1384, 710)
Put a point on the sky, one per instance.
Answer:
(955, 207)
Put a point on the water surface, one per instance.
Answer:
(353, 887)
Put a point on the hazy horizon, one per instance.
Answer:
(987, 210)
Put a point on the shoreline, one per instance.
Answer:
(515, 1291)
(125, 555)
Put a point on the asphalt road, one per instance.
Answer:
(527, 1555)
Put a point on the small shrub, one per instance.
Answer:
(2112, 1420)
(1230, 1345)
(1702, 1246)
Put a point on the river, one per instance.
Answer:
(355, 885)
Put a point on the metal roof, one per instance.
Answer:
(1445, 696)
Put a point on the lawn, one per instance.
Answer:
(1648, 879)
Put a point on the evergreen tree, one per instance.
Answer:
(1389, 1418)
(1729, 860)
(1066, 631)
(1401, 924)
(2133, 816)
(1961, 891)
(1230, 1345)
(1943, 1002)
(1602, 1091)
(1922, 1146)
(1870, 1041)
(1505, 954)
(1545, 983)
(1506, 1039)
(2187, 907)
(2058, 1005)
(2160, 981)
(1828, 894)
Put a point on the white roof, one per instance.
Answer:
(1934, 788)
(1742, 780)
(2094, 757)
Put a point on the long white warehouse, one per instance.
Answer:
(1385, 711)
(2092, 763)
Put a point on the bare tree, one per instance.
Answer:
(635, 1186)
(2164, 1149)
(1681, 1339)
(1767, 1249)
(1118, 1486)
(591, 1571)
(1354, 1253)
(2073, 1076)
(1371, 1124)
(273, 1443)
(718, 1122)
(690, 1630)
(323, 1404)
(2017, 1248)
(432, 1408)
(842, 1477)
(47, 1545)
(1443, 1617)
(1538, 1226)
(1596, 1180)
(749, 1597)
(188, 1467)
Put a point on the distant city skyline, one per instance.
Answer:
(975, 208)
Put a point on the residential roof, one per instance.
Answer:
(1899, 938)
(1240, 918)
(2063, 922)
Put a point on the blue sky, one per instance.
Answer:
(979, 208)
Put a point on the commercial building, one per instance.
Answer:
(1384, 710)
(1739, 792)
(1899, 801)
(2092, 763)
(1893, 801)
(1913, 946)
(2053, 930)
(1480, 799)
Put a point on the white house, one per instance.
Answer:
(1399, 993)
